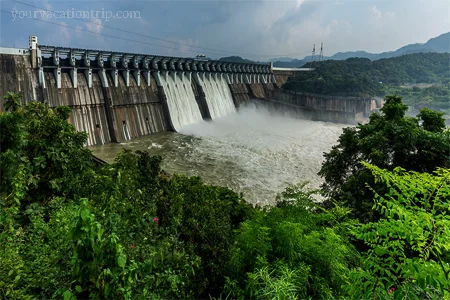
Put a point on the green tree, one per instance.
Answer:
(389, 140)
(51, 152)
(12, 101)
(409, 249)
(125, 230)
(360, 76)
(432, 120)
(204, 218)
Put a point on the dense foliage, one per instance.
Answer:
(409, 249)
(294, 250)
(123, 230)
(389, 140)
(363, 77)
(70, 229)
(435, 97)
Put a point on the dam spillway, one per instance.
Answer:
(218, 95)
(117, 96)
(182, 106)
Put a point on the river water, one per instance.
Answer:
(252, 151)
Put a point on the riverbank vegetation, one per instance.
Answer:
(71, 229)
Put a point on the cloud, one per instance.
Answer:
(380, 19)
(95, 25)
(338, 26)
(44, 13)
(185, 48)
(79, 31)
(144, 23)
(61, 36)
(47, 5)
(376, 13)
(244, 27)
(299, 3)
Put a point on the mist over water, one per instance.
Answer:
(252, 151)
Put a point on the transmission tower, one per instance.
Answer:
(313, 56)
(321, 53)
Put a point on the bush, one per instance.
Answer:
(292, 250)
(409, 249)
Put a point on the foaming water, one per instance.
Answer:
(251, 151)
(181, 100)
(218, 96)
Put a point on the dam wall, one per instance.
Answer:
(350, 110)
(17, 76)
(200, 97)
(315, 107)
(115, 96)
(240, 94)
(88, 105)
(112, 114)
(246, 93)
(135, 110)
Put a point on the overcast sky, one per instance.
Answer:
(251, 29)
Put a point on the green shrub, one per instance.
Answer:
(203, 218)
(292, 250)
(409, 249)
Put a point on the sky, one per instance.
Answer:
(254, 29)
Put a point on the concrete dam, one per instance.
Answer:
(117, 96)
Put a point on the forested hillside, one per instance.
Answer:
(363, 77)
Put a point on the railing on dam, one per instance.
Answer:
(88, 61)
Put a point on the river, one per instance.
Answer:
(252, 151)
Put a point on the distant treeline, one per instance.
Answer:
(363, 77)
(435, 97)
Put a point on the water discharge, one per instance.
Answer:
(218, 95)
(251, 151)
(181, 100)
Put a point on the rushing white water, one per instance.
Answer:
(253, 151)
(183, 107)
(218, 96)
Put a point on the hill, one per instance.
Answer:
(363, 77)
(237, 59)
(439, 44)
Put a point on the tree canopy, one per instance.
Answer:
(388, 140)
(363, 77)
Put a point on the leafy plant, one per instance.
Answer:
(409, 249)
(389, 140)
(12, 101)
(292, 250)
